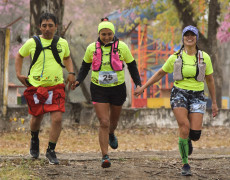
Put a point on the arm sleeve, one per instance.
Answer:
(85, 67)
(132, 67)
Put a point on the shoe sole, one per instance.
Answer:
(34, 157)
(114, 147)
(51, 162)
(187, 174)
(106, 164)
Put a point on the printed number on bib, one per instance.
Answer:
(107, 77)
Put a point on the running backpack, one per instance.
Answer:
(40, 48)
(200, 70)
(115, 62)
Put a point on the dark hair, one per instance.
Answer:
(47, 16)
(104, 19)
(178, 52)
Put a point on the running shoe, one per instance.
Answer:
(190, 148)
(51, 156)
(34, 148)
(113, 142)
(185, 171)
(105, 162)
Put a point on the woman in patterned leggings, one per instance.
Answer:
(190, 67)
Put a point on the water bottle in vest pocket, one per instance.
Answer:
(201, 67)
(201, 75)
(116, 63)
(177, 72)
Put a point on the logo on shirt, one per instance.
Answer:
(59, 49)
(37, 78)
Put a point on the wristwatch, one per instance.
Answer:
(72, 73)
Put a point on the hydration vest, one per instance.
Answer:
(200, 69)
(115, 62)
(40, 48)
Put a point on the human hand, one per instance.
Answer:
(75, 85)
(138, 91)
(214, 110)
(71, 81)
(23, 79)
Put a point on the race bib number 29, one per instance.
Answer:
(107, 77)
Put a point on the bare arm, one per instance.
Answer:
(156, 77)
(18, 69)
(69, 66)
(212, 92)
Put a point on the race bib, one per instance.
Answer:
(48, 101)
(107, 77)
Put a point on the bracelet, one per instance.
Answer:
(72, 73)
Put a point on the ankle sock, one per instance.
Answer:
(51, 145)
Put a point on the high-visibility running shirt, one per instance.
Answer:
(107, 77)
(46, 71)
(188, 70)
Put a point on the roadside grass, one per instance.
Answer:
(17, 169)
(82, 139)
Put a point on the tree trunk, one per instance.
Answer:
(209, 44)
(214, 12)
(38, 7)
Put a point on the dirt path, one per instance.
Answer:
(205, 164)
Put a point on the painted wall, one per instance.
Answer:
(18, 119)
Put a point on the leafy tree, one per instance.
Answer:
(203, 14)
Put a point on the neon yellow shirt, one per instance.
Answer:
(52, 72)
(188, 70)
(118, 76)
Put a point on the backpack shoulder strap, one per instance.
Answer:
(115, 46)
(37, 51)
(55, 51)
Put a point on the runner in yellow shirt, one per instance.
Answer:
(45, 84)
(190, 67)
(108, 90)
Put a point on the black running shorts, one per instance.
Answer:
(114, 95)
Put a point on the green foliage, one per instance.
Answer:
(16, 169)
(167, 27)
(168, 19)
